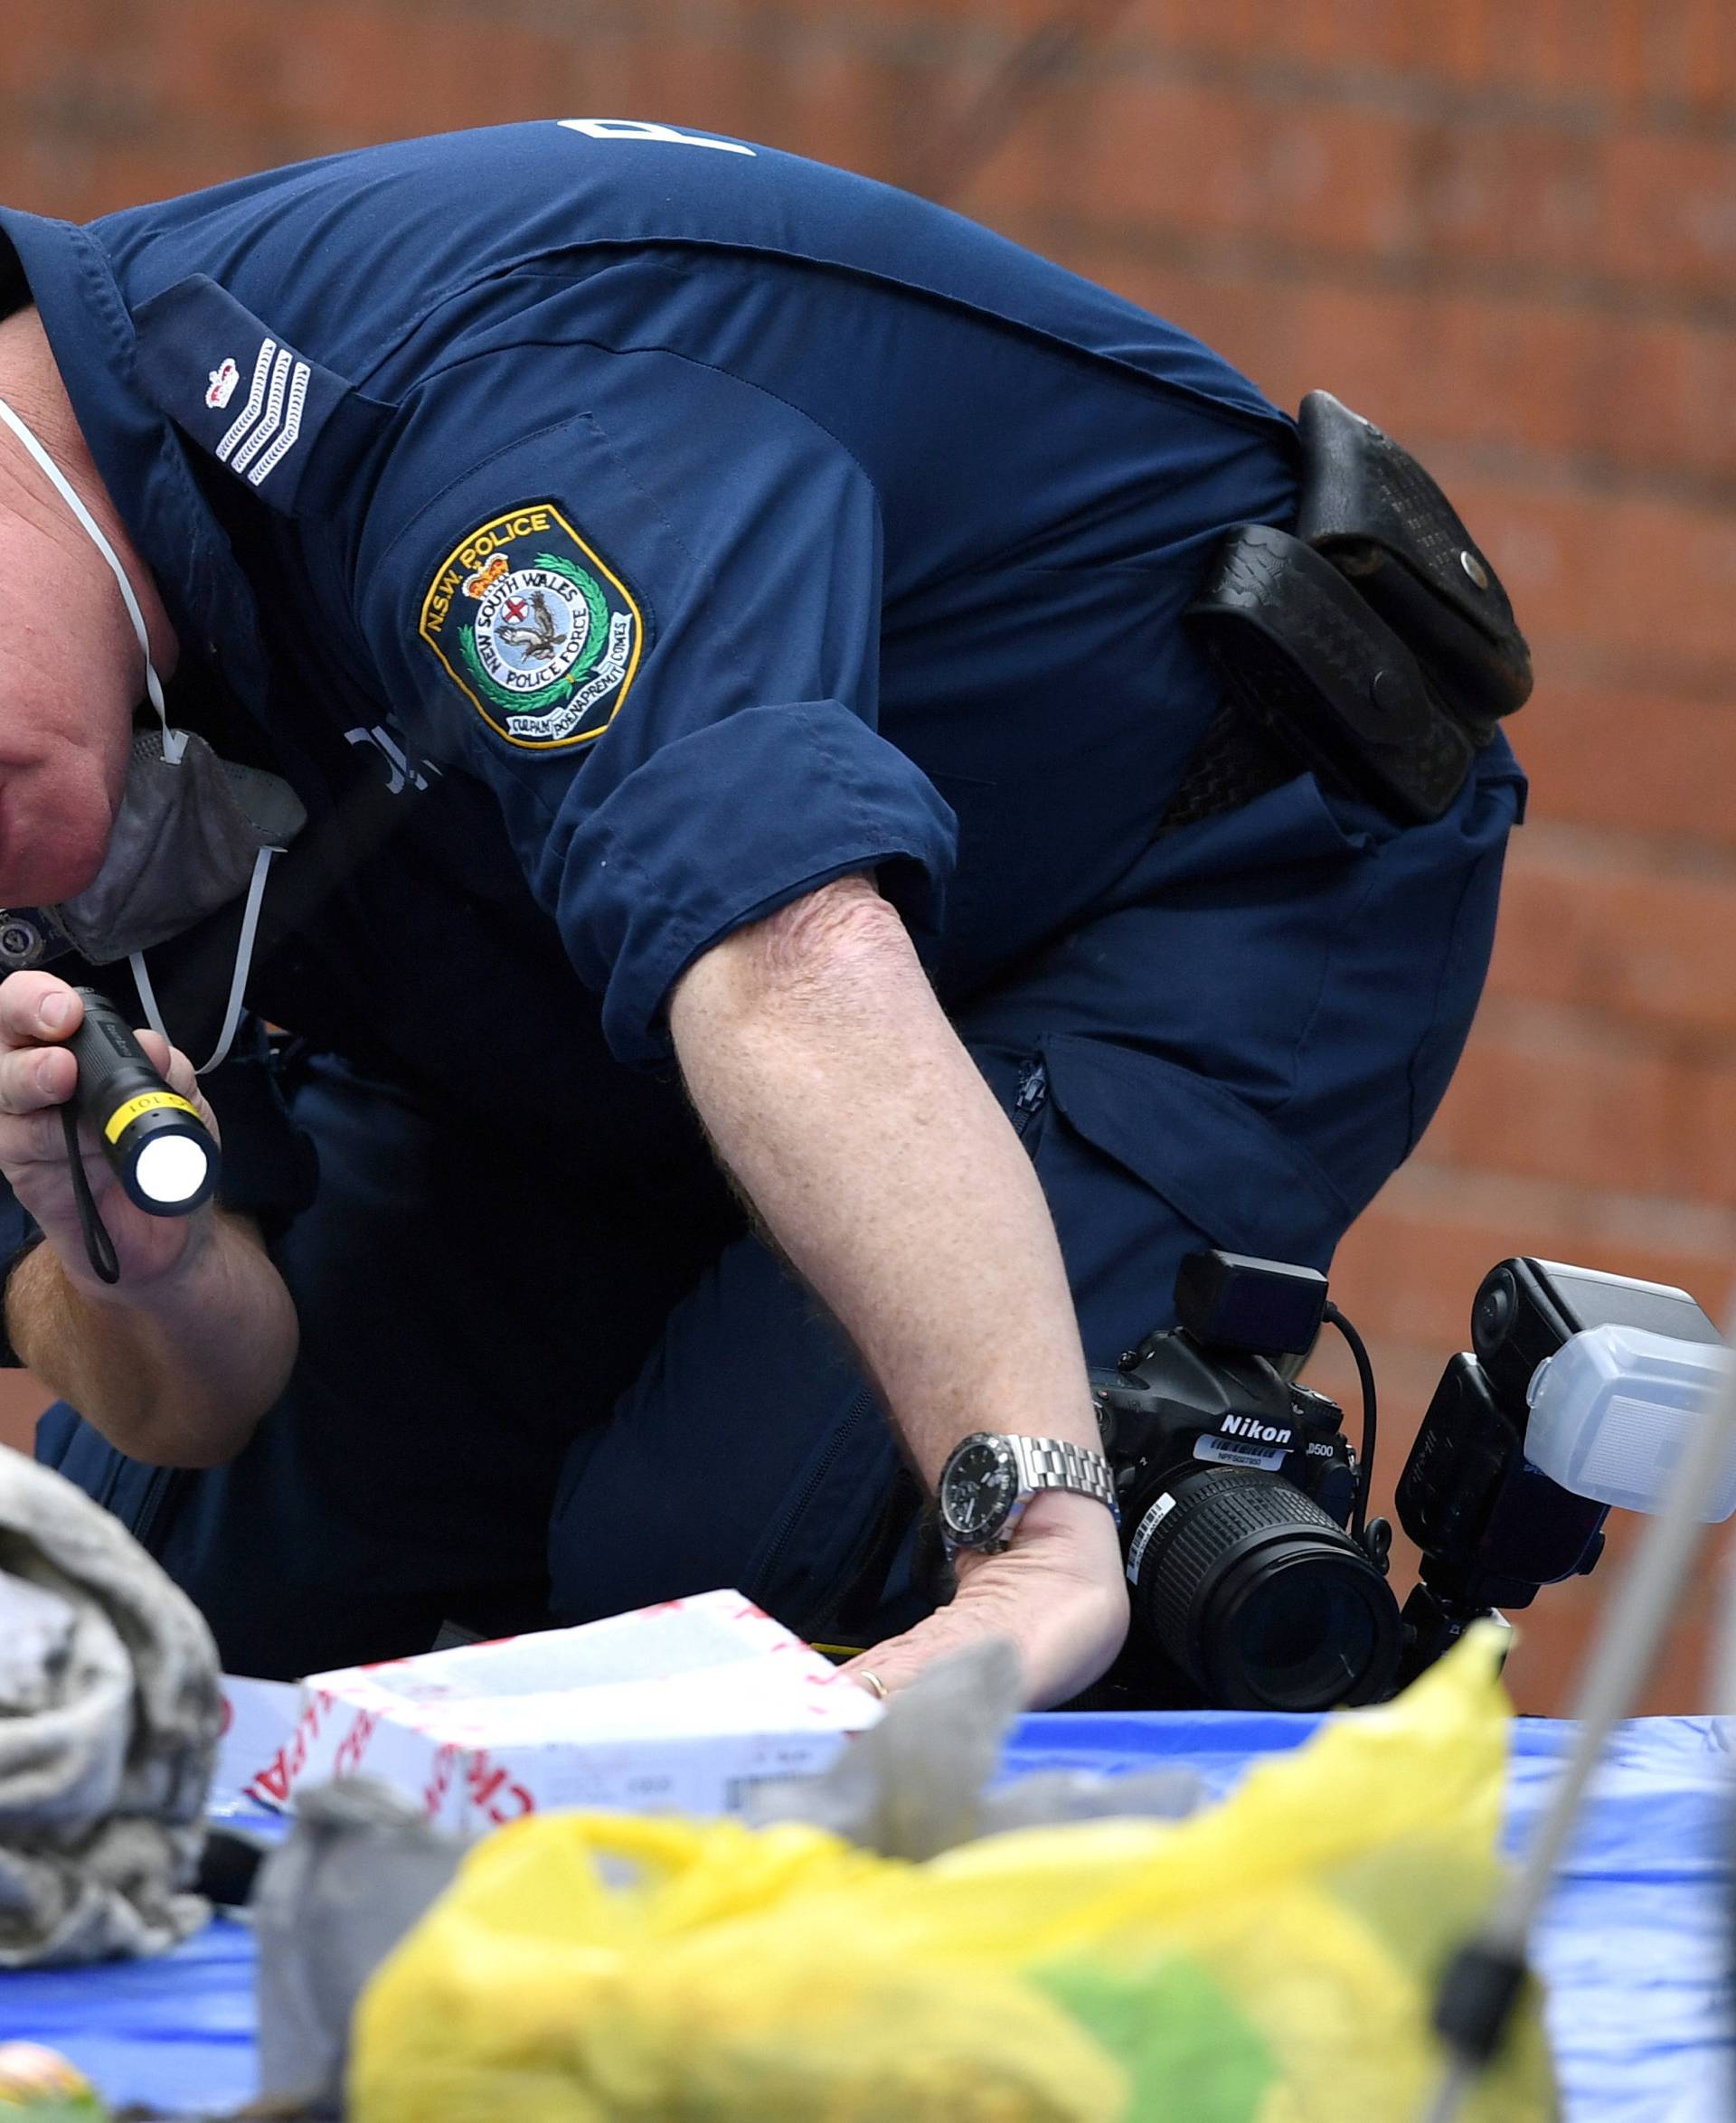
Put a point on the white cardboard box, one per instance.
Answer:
(676, 1708)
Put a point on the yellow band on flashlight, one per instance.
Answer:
(122, 1117)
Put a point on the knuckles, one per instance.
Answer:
(26, 1079)
(21, 995)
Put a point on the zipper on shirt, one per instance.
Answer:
(1033, 1091)
(160, 1484)
(105, 1494)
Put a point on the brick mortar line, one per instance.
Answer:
(1656, 857)
(1576, 114)
(1549, 1026)
(1430, 1191)
(1702, 682)
(920, 42)
(1634, 851)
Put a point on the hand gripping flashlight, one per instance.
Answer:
(162, 1152)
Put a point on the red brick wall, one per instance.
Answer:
(1506, 229)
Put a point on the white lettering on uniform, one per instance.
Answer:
(401, 769)
(640, 129)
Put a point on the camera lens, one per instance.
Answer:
(1493, 1312)
(1305, 1634)
(1264, 1602)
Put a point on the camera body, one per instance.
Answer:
(1171, 1408)
(1236, 1487)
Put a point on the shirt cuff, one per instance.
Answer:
(724, 827)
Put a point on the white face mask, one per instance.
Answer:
(193, 832)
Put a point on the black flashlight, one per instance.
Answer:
(163, 1153)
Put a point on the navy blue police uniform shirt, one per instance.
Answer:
(672, 526)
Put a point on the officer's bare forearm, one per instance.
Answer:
(841, 1100)
(176, 1371)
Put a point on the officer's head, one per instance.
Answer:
(71, 670)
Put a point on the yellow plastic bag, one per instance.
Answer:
(1268, 1961)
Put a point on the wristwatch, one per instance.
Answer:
(988, 1479)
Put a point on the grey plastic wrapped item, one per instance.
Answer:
(919, 1782)
(110, 1712)
(359, 1868)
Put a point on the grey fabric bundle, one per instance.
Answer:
(920, 1781)
(110, 1708)
(360, 1867)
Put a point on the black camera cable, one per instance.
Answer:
(1366, 1373)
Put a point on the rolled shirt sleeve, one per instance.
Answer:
(19, 1234)
(653, 628)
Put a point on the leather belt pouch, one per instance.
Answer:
(1376, 645)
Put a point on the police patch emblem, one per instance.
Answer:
(539, 635)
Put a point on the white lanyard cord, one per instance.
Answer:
(174, 741)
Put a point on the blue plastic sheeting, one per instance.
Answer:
(1634, 1943)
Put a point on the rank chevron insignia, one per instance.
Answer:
(538, 633)
(268, 427)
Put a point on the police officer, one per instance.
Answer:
(706, 630)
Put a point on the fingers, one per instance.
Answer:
(32, 1077)
(170, 1063)
(1065, 1613)
(38, 1014)
(177, 1072)
(895, 1663)
(36, 1008)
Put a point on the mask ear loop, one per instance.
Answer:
(175, 744)
(238, 980)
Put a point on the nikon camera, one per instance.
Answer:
(1258, 1581)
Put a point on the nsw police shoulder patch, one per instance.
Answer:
(535, 628)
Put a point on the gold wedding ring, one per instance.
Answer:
(873, 1682)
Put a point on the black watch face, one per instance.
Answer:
(980, 1486)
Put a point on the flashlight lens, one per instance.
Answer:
(171, 1168)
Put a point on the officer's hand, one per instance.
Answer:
(37, 1076)
(1057, 1595)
